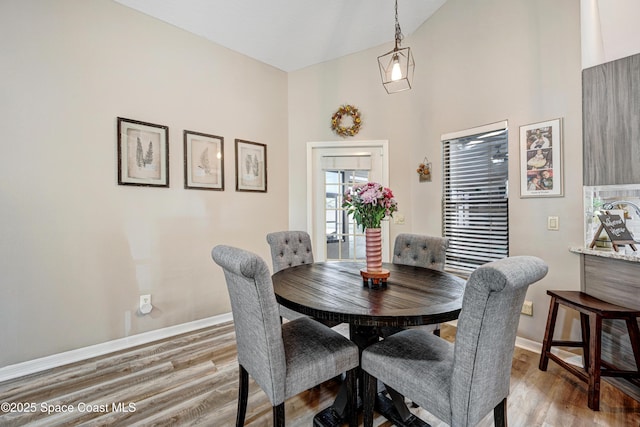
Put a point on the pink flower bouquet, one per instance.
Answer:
(369, 203)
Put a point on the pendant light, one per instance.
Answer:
(396, 67)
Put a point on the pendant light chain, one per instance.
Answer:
(399, 35)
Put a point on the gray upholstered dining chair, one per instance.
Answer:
(459, 382)
(288, 249)
(283, 359)
(420, 251)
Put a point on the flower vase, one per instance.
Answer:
(373, 237)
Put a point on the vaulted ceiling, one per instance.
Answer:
(291, 34)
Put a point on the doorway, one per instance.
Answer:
(333, 168)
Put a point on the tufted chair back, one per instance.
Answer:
(283, 359)
(256, 318)
(420, 251)
(486, 333)
(290, 248)
(460, 382)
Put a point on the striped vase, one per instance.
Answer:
(373, 238)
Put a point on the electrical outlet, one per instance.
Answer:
(398, 219)
(527, 308)
(145, 304)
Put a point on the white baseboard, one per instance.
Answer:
(533, 346)
(60, 359)
(536, 347)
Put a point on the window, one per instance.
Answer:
(475, 208)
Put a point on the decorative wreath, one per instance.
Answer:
(424, 169)
(336, 121)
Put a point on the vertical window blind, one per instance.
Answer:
(475, 208)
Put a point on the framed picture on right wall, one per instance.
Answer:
(541, 173)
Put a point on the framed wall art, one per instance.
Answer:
(203, 161)
(541, 159)
(251, 166)
(143, 153)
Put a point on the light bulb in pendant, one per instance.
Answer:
(396, 71)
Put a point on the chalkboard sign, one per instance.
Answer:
(617, 231)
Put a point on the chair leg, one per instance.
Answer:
(278, 415)
(595, 346)
(584, 322)
(243, 393)
(436, 331)
(548, 335)
(500, 414)
(369, 398)
(352, 397)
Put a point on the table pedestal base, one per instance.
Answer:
(392, 407)
(326, 418)
(384, 406)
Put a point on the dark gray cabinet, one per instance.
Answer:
(611, 122)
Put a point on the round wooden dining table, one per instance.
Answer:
(334, 292)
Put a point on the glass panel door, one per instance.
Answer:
(334, 167)
(344, 240)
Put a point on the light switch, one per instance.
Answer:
(552, 223)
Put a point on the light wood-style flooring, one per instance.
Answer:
(191, 380)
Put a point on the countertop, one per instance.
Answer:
(625, 253)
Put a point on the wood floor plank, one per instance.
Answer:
(101, 390)
(112, 366)
(177, 384)
(224, 333)
(167, 399)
